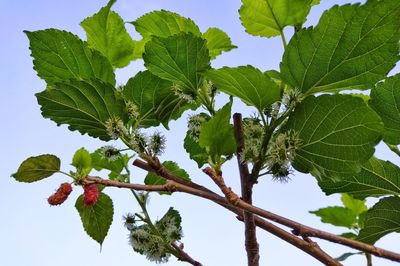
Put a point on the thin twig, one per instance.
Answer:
(183, 256)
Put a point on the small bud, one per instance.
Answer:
(194, 125)
(157, 143)
(109, 153)
(90, 194)
(133, 110)
(60, 195)
(179, 91)
(115, 127)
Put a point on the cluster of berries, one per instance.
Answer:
(90, 194)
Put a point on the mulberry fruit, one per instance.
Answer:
(60, 195)
(90, 194)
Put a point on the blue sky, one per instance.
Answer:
(33, 233)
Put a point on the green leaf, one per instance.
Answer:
(338, 134)
(170, 225)
(357, 206)
(155, 99)
(82, 161)
(268, 18)
(83, 105)
(377, 178)
(216, 135)
(346, 255)
(217, 42)
(60, 55)
(248, 83)
(37, 168)
(153, 179)
(180, 58)
(349, 235)
(338, 216)
(115, 163)
(383, 218)
(385, 100)
(96, 219)
(352, 47)
(106, 33)
(164, 23)
(196, 153)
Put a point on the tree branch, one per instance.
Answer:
(247, 183)
(299, 229)
(172, 186)
(183, 256)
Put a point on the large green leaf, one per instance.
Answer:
(153, 179)
(352, 47)
(338, 216)
(217, 42)
(385, 100)
(106, 33)
(164, 23)
(216, 134)
(83, 105)
(383, 218)
(267, 18)
(246, 82)
(82, 161)
(155, 99)
(338, 134)
(180, 58)
(37, 168)
(96, 219)
(377, 178)
(60, 55)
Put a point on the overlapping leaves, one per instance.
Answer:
(352, 47)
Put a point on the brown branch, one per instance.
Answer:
(183, 256)
(172, 186)
(247, 183)
(219, 180)
(299, 229)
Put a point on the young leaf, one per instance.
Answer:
(37, 168)
(164, 23)
(248, 83)
(196, 153)
(338, 134)
(170, 225)
(268, 18)
(346, 255)
(377, 178)
(385, 100)
(106, 33)
(357, 206)
(114, 163)
(83, 105)
(383, 218)
(153, 179)
(96, 219)
(60, 55)
(180, 58)
(217, 42)
(154, 98)
(352, 47)
(82, 161)
(338, 216)
(216, 135)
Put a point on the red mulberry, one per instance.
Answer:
(90, 194)
(60, 195)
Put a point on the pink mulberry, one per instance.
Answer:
(90, 194)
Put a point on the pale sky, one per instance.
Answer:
(33, 233)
